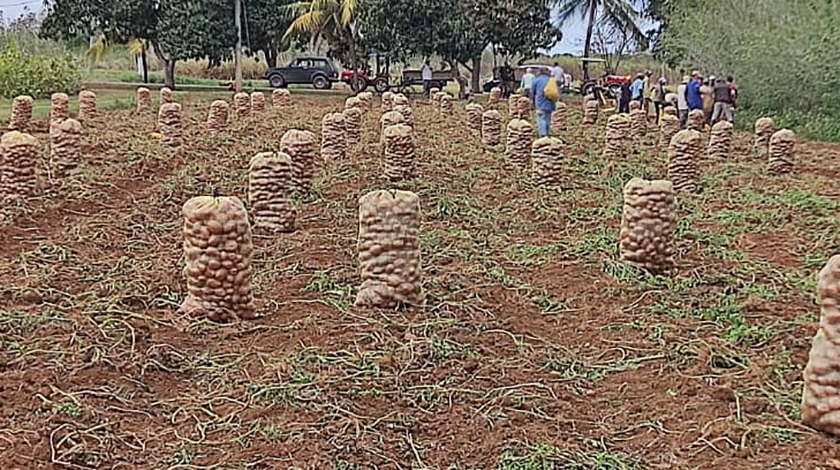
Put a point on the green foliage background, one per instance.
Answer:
(36, 68)
(783, 53)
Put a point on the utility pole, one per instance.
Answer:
(237, 13)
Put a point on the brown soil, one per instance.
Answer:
(532, 333)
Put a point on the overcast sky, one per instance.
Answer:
(573, 32)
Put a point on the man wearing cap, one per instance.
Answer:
(542, 103)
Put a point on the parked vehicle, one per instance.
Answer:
(317, 71)
(518, 72)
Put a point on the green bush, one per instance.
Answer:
(36, 73)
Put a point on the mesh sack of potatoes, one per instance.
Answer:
(389, 119)
(165, 95)
(242, 105)
(302, 147)
(333, 137)
(821, 393)
(518, 143)
(353, 125)
(367, 99)
(169, 120)
(495, 95)
(257, 102)
(21, 113)
(547, 162)
(523, 107)
(667, 130)
(635, 106)
(400, 100)
(434, 99)
(558, 118)
(684, 155)
(590, 112)
(647, 225)
(446, 108)
(670, 111)
(438, 97)
(59, 107)
(638, 123)
(389, 249)
(399, 152)
(781, 154)
(87, 105)
(617, 136)
(387, 101)
(270, 187)
(764, 130)
(474, 112)
(281, 98)
(354, 102)
(144, 100)
(513, 106)
(217, 118)
(407, 113)
(19, 153)
(65, 146)
(720, 140)
(696, 120)
(491, 127)
(217, 251)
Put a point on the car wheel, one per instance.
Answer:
(321, 83)
(276, 81)
(381, 85)
(615, 91)
(588, 88)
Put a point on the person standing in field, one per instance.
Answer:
(648, 93)
(659, 98)
(723, 102)
(559, 74)
(624, 98)
(638, 88)
(427, 74)
(542, 103)
(707, 93)
(527, 81)
(692, 93)
(507, 76)
(682, 100)
(734, 88)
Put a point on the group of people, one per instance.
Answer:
(716, 97)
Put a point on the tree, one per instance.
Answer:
(266, 23)
(331, 20)
(612, 43)
(174, 29)
(619, 13)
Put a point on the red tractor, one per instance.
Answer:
(608, 84)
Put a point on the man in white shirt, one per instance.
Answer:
(527, 81)
(559, 74)
(427, 74)
(682, 101)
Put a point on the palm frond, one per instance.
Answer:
(137, 46)
(348, 11)
(98, 50)
(309, 22)
(568, 9)
(622, 15)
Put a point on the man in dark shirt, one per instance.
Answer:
(507, 76)
(723, 101)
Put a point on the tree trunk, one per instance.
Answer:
(145, 61)
(270, 56)
(476, 74)
(355, 84)
(587, 45)
(169, 73)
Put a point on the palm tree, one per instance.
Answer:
(333, 20)
(620, 14)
